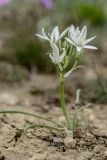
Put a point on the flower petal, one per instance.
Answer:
(40, 36)
(63, 33)
(54, 47)
(51, 57)
(83, 34)
(43, 32)
(88, 40)
(62, 55)
(89, 47)
(72, 28)
(73, 36)
(55, 34)
(77, 32)
(70, 41)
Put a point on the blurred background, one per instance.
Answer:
(22, 53)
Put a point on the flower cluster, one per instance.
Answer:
(4, 2)
(48, 4)
(70, 41)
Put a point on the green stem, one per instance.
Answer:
(75, 121)
(43, 126)
(62, 99)
(77, 96)
(29, 114)
(75, 65)
(75, 114)
(84, 107)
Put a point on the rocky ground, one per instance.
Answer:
(39, 95)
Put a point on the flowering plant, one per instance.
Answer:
(4, 2)
(48, 4)
(64, 47)
(70, 43)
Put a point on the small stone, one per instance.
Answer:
(58, 141)
(105, 153)
(45, 136)
(70, 142)
(8, 98)
(89, 136)
(61, 119)
(39, 156)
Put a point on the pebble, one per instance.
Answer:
(70, 142)
(57, 141)
(61, 119)
(8, 98)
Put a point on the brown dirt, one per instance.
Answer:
(43, 144)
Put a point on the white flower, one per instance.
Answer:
(78, 38)
(56, 57)
(55, 36)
